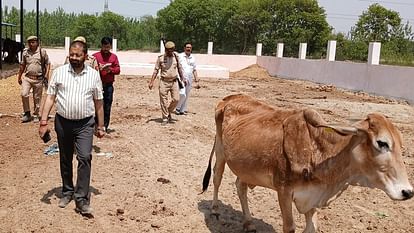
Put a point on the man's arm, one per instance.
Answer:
(21, 70)
(153, 77)
(195, 75)
(48, 71)
(115, 68)
(43, 128)
(154, 74)
(100, 129)
(47, 65)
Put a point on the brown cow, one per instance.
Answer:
(306, 160)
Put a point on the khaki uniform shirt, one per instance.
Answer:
(90, 61)
(168, 66)
(33, 61)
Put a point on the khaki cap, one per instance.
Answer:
(31, 38)
(169, 45)
(80, 39)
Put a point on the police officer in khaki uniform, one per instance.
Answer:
(90, 60)
(170, 68)
(35, 66)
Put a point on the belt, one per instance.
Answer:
(168, 80)
(35, 77)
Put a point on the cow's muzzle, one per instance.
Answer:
(407, 194)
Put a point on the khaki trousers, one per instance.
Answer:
(37, 86)
(168, 87)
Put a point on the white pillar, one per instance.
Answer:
(18, 38)
(279, 50)
(114, 45)
(162, 47)
(374, 53)
(331, 50)
(210, 48)
(259, 49)
(67, 44)
(302, 50)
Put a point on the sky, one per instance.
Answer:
(341, 14)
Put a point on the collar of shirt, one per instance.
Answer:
(31, 52)
(71, 70)
(188, 56)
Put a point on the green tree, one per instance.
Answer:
(249, 24)
(193, 20)
(148, 33)
(298, 21)
(87, 26)
(111, 24)
(379, 24)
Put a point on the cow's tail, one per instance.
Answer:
(207, 174)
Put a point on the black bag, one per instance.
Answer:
(180, 84)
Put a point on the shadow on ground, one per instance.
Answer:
(57, 191)
(230, 220)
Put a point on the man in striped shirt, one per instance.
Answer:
(77, 89)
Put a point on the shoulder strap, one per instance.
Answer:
(178, 66)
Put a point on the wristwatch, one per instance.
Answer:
(100, 129)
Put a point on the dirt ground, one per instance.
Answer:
(147, 177)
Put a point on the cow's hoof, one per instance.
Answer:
(249, 227)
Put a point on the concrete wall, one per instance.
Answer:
(391, 81)
(142, 63)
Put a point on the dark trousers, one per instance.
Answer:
(75, 135)
(108, 94)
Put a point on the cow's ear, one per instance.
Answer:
(344, 130)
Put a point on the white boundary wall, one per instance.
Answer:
(390, 81)
(142, 63)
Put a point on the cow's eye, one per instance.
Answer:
(383, 145)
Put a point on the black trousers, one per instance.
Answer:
(108, 95)
(75, 135)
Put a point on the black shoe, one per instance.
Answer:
(26, 117)
(83, 208)
(64, 201)
(108, 130)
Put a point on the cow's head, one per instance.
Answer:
(376, 149)
(379, 158)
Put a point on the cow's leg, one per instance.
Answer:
(218, 175)
(311, 221)
(285, 202)
(242, 192)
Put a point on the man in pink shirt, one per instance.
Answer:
(108, 68)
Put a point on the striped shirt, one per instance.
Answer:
(75, 92)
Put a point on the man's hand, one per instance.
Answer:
(42, 130)
(100, 132)
(151, 84)
(19, 80)
(107, 69)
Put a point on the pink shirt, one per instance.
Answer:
(112, 60)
